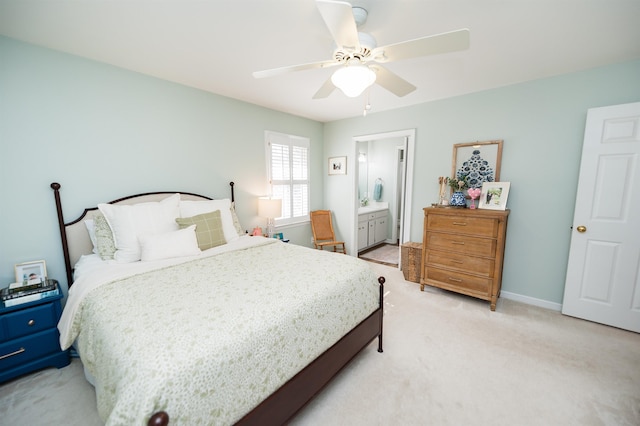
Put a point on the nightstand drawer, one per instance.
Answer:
(462, 244)
(25, 349)
(29, 321)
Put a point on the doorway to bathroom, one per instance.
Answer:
(384, 175)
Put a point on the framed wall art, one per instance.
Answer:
(338, 165)
(494, 195)
(31, 272)
(478, 162)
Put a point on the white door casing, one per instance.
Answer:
(603, 271)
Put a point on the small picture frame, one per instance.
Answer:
(32, 272)
(338, 166)
(494, 195)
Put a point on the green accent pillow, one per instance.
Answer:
(209, 232)
(105, 245)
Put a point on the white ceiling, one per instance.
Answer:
(215, 45)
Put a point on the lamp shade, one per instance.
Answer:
(270, 208)
(353, 79)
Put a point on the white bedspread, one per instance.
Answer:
(209, 338)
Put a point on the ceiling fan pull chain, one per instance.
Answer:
(367, 106)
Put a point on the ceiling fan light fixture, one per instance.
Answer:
(353, 79)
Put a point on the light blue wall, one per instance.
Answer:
(542, 125)
(104, 132)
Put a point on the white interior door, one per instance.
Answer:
(603, 283)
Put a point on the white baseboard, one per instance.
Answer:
(531, 301)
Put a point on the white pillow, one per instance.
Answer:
(194, 208)
(92, 234)
(128, 222)
(171, 244)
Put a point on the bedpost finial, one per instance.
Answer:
(55, 186)
(160, 418)
(381, 280)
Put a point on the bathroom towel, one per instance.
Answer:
(377, 190)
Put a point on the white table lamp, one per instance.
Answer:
(270, 208)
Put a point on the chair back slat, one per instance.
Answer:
(322, 226)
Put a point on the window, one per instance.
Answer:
(288, 174)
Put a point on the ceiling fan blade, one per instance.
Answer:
(430, 45)
(390, 81)
(338, 16)
(327, 88)
(284, 70)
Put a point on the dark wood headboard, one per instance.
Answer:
(74, 236)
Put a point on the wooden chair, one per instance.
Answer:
(323, 235)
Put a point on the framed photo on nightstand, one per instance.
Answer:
(32, 272)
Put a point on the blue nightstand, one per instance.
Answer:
(29, 337)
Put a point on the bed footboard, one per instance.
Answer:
(283, 404)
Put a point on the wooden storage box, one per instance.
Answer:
(411, 261)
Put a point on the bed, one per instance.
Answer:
(223, 334)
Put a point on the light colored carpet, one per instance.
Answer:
(386, 254)
(448, 360)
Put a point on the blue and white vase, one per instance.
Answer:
(458, 200)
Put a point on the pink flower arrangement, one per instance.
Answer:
(473, 194)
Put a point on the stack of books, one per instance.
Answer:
(18, 293)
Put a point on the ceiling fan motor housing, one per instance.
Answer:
(360, 53)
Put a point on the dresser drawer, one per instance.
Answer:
(479, 265)
(28, 321)
(479, 226)
(458, 281)
(462, 244)
(25, 349)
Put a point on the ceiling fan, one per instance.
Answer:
(359, 58)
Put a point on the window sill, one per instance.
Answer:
(293, 225)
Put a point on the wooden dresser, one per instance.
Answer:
(463, 251)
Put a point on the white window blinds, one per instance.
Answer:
(288, 174)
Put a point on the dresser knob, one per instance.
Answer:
(31, 322)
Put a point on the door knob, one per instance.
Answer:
(581, 228)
